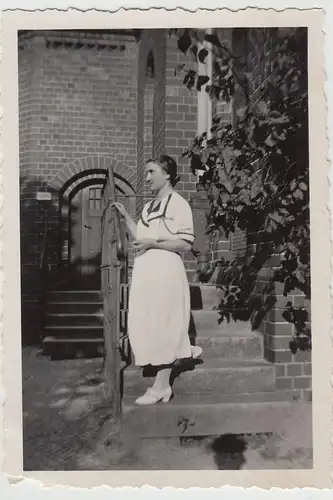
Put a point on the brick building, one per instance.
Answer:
(88, 99)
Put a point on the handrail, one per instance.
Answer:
(121, 253)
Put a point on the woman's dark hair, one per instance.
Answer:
(169, 166)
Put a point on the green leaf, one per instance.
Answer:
(194, 50)
(184, 42)
(195, 163)
(202, 80)
(298, 194)
(213, 39)
(303, 186)
(203, 53)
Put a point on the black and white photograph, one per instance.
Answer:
(165, 258)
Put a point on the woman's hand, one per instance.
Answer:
(141, 246)
(121, 209)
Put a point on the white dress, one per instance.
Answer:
(159, 298)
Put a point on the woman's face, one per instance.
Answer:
(156, 177)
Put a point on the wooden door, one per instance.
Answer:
(91, 232)
(86, 236)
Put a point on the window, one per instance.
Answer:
(95, 198)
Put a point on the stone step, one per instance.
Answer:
(202, 296)
(203, 324)
(209, 376)
(73, 340)
(80, 307)
(188, 416)
(83, 347)
(74, 296)
(223, 347)
(69, 319)
(206, 297)
(72, 332)
(208, 321)
(249, 346)
(205, 399)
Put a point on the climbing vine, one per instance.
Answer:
(256, 172)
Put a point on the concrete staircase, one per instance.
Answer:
(74, 323)
(232, 389)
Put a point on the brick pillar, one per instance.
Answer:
(180, 128)
(180, 117)
(293, 371)
(148, 130)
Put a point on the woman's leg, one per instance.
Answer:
(162, 380)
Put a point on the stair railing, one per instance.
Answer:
(113, 273)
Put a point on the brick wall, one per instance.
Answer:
(77, 102)
(82, 103)
(180, 128)
(220, 244)
(293, 370)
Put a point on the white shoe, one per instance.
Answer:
(152, 396)
(196, 351)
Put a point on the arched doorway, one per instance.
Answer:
(80, 204)
(85, 231)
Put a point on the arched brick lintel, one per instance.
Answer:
(77, 169)
(74, 175)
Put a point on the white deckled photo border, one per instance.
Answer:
(321, 251)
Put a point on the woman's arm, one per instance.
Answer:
(174, 245)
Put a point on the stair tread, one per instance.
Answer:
(216, 332)
(187, 417)
(212, 334)
(211, 312)
(73, 327)
(72, 340)
(96, 290)
(58, 292)
(214, 400)
(75, 302)
(217, 363)
(71, 314)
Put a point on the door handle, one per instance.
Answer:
(87, 227)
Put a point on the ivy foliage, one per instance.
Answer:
(255, 169)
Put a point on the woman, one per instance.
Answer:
(159, 299)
